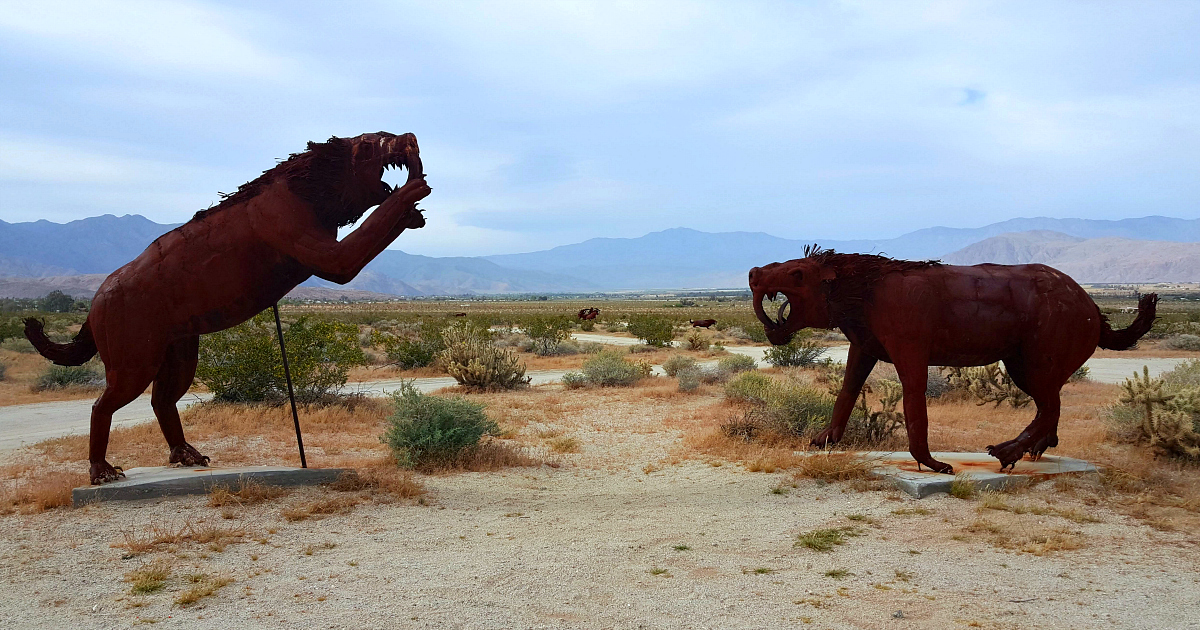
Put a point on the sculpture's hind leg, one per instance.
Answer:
(1042, 432)
(122, 387)
(172, 382)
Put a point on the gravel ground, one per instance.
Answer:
(600, 543)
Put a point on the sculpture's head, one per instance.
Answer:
(804, 285)
(343, 177)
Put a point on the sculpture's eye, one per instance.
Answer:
(798, 275)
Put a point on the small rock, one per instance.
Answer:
(899, 614)
(96, 608)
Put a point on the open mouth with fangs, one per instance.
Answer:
(781, 314)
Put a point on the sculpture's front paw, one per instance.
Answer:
(104, 472)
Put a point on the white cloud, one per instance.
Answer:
(141, 35)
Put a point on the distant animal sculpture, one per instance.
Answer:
(1035, 319)
(589, 313)
(701, 323)
(460, 314)
(230, 262)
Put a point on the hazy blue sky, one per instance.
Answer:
(544, 123)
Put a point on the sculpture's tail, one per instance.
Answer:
(1125, 338)
(82, 348)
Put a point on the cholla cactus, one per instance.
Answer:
(879, 425)
(1168, 419)
(988, 384)
(472, 359)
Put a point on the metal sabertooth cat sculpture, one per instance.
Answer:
(914, 314)
(229, 263)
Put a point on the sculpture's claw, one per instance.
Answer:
(187, 455)
(104, 472)
(938, 467)
(1009, 453)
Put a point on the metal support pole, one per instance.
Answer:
(287, 374)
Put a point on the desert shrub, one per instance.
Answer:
(242, 364)
(689, 378)
(547, 332)
(1183, 342)
(3, 370)
(737, 332)
(428, 431)
(86, 376)
(474, 361)
(1080, 375)
(642, 348)
(652, 329)
(574, 380)
(801, 351)
(18, 344)
(791, 407)
(10, 328)
(587, 325)
(696, 341)
(1186, 375)
(678, 362)
(416, 348)
(735, 363)
(611, 369)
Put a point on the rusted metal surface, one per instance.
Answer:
(701, 323)
(589, 313)
(914, 314)
(231, 262)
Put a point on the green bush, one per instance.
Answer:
(574, 380)
(735, 363)
(652, 329)
(610, 369)
(474, 361)
(429, 431)
(587, 325)
(11, 328)
(689, 378)
(243, 364)
(801, 351)
(696, 341)
(678, 362)
(86, 376)
(547, 332)
(419, 348)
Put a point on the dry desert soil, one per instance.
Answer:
(634, 515)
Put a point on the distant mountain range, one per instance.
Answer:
(40, 256)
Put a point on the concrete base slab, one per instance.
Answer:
(162, 481)
(981, 468)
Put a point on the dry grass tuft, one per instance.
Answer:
(1031, 539)
(833, 466)
(826, 539)
(154, 537)
(381, 476)
(249, 492)
(148, 578)
(997, 501)
(320, 508)
(38, 492)
(205, 586)
(565, 445)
